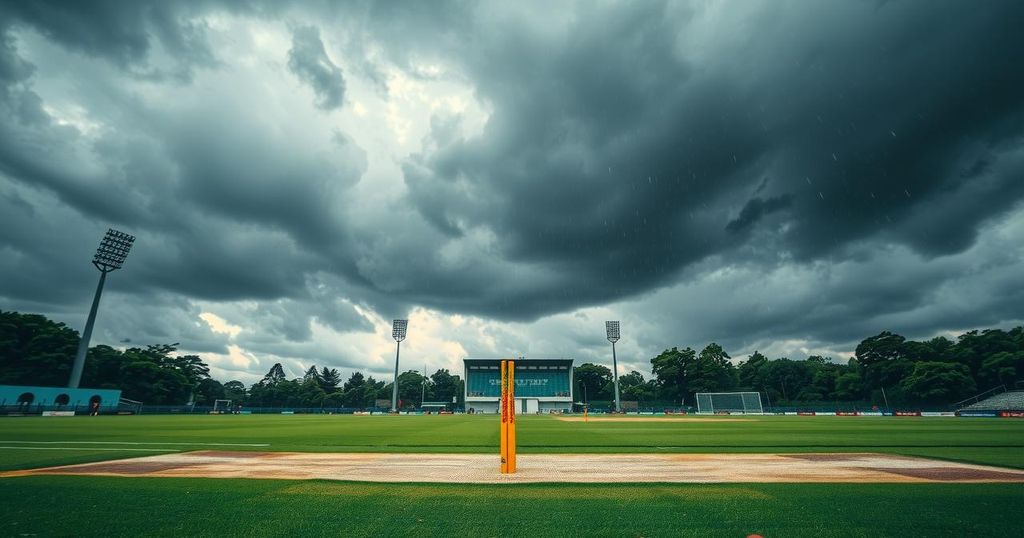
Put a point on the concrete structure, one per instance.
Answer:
(542, 385)
(29, 399)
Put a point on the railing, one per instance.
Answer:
(975, 399)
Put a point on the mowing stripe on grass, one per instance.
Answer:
(89, 448)
(128, 443)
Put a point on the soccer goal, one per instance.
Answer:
(221, 406)
(730, 402)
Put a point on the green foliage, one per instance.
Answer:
(1003, 368)
(939, 382)
(673, 369)
(208, 391)
(443, 386)
(35, 350)
(329, 379)
(592, 381)
(714, 372)
(235, 391)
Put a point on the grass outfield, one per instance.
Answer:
(98, 506)
(45, 441)
(105, 506)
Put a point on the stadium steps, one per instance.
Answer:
(1007, 401)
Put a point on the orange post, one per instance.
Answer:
(511, 416)
(503, 410)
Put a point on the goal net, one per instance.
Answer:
(732, 402)
(222, 406)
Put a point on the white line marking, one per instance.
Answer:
(128, 443)
(89, 448)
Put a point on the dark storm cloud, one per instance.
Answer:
(665, 158)
(123, 32)
(308, 60)
(616, 157)
(755, 210)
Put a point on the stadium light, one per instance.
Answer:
(611, 329)
(398, 329)
(109, 257)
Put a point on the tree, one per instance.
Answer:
(190, 366)
(312, 374)
(335, 399)
(786, 379)
(883, 360)
(275, 375)
(329, 379)
(849, 386)
(310, 394)
(939, 382)
(376, 389)
(714, 372)
(634, 387)
(35, 350)
(208, 391)
(973, 347)
(673, 369)
(751, 372)
(1003, 368)
(593, 378)
(410, 387)
(885, 346)
(103, 368)
(444, 386)
(235, 391)
(145, 380)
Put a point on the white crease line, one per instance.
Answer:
(128, 443)
(89, 448)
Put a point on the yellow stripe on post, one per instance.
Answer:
(502, 409)
(512, 416)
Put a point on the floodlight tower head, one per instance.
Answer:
(113, 250)
(611, 328)
(398, 329)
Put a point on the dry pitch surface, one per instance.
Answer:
(483, 469)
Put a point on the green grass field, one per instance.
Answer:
(92, 506)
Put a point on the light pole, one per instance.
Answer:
(611, 329)
(109, 257)
(398, 328)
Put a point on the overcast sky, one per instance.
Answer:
(789, 177)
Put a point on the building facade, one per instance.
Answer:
(31, 399)
(542, 385)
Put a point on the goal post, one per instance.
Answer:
(729, 402)
(221, 406)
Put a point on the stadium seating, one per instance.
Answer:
(1008, 401)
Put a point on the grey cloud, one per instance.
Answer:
(622, 164)
(755, 210)
(123, 33)
(308, 60)
(613, 154)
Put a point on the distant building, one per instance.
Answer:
(34, 400)
(542, 385)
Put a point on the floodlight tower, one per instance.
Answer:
(109, 257)
(611, 329)
(398, 328)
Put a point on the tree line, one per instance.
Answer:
(37, 351)
(886, 368)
